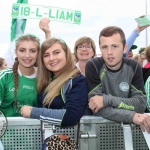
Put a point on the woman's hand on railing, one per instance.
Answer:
(25, 111)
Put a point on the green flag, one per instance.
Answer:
(18, 25)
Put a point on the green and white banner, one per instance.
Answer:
(143, 21)
(27, 11)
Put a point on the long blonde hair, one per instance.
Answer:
(28, 37)
(53, 88)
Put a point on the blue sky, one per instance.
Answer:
(96, 14)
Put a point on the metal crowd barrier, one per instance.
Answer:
(22, 134)
(96, 133)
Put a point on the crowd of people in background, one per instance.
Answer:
(67, 85)
(3, 63)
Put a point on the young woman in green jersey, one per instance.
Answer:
(18, 84)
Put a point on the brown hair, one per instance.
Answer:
(27, 37)
(53, 88)
(1, 61)
(81, 41)
(147, 53)
(110, 30)
(136, 57)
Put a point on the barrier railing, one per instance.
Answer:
(96, 133)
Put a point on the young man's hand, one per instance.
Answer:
(143, 120)
(96, 103)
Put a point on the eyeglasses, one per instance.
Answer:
(87, 47)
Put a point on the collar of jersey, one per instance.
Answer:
(32, 76)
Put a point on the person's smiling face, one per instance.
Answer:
(54, 59)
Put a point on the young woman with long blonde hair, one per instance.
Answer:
(60, 100)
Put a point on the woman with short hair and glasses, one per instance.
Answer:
(18, 84)
(84, 50)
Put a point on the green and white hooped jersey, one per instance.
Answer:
(26, 94)
(147, 90)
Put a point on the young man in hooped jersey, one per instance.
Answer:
(116, 89)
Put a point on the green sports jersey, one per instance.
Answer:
(26, 94)
(147, 90)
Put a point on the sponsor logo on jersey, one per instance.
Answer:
(28, 87)
(24, 87)
(124, 86)
(11, 89)
(125, 106)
